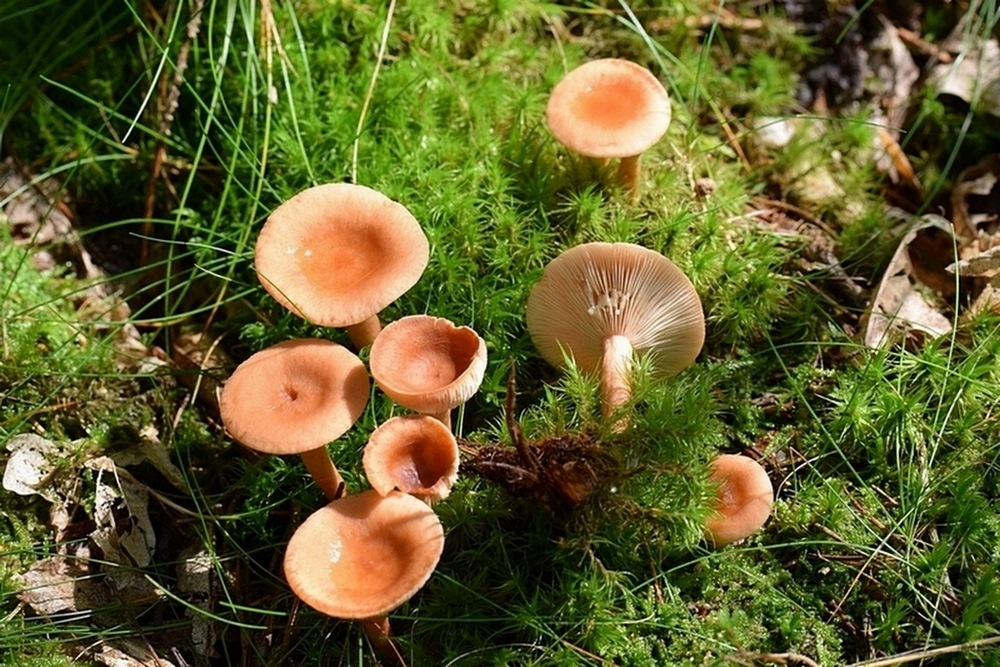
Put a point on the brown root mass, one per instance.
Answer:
(567, 470)
(559, 472)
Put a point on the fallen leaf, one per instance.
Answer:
(121, 512)
(974, 76)
(32, 466)
(975, 203)
(904, 307)
(124, 653)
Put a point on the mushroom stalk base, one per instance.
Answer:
(364, 333)
(380, 634)
(616, 363)
(628, 174)
(320, 466)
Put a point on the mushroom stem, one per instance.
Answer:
(320, 466)
(443, 417)
(363, 333)
(616, 363)
(628, 174)
(380, 634)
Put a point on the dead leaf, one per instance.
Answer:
(121, 512)
(974, 76)
(124, 653)
(33, 465)
(904, 307)
(152, 451)
(975, 203)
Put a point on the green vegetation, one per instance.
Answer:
(886, 529)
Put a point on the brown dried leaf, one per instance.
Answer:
(974, 76)
(904, 306)
(975, 203)
(121, 512)
(124, 653)
(32, 466)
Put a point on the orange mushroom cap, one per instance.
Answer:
(295, 396)
(427, 363)
(609, 108)
(594, 291)
(744, 500)
(337, 254)
(414, 454)
(364, 555)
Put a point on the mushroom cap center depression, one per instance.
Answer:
(610, 102)
(335, 266)
(420, 464)
(435, 360)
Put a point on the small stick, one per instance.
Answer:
(523, 448)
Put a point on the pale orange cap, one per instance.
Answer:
(744, 501)
(609, 108)
(339, 253)
(597, 290)
(364, 555)
(415, 454)
(295, 396)
(428, 364)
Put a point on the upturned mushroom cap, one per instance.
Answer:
(294, 397)
(339, 253)
(364, 554)
(597, 290)
(414, 454)
(428, 364)
(608, 108)
(744, 501)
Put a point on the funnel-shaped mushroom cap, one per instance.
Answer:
(744, 501)
(294, 396)
(413, 454)
(364, 554)
(597, 290)
(427, 363)
(609, 108)
(338, 254)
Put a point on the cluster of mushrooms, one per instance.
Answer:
(338, 254)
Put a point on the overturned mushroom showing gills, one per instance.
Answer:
(610, 108)
(337, 254)
(362, 556)
(744, 499)
(428, 364)
(415, 454)
(295, 397)
(602, 303)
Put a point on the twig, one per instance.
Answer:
(523, 448)
(924, 654)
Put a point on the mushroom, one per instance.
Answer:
(293, 398)
(337, 254)
(601, 303)
(415, 454)
(428, 364)
(363, 555)
(610, 108)
(743, 500)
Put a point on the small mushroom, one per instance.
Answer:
(428, 364)
(293, 398)
(602, 303)
(337, 254)
(610, 108)
(415, 454)
(363, 555)
(744, 499)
